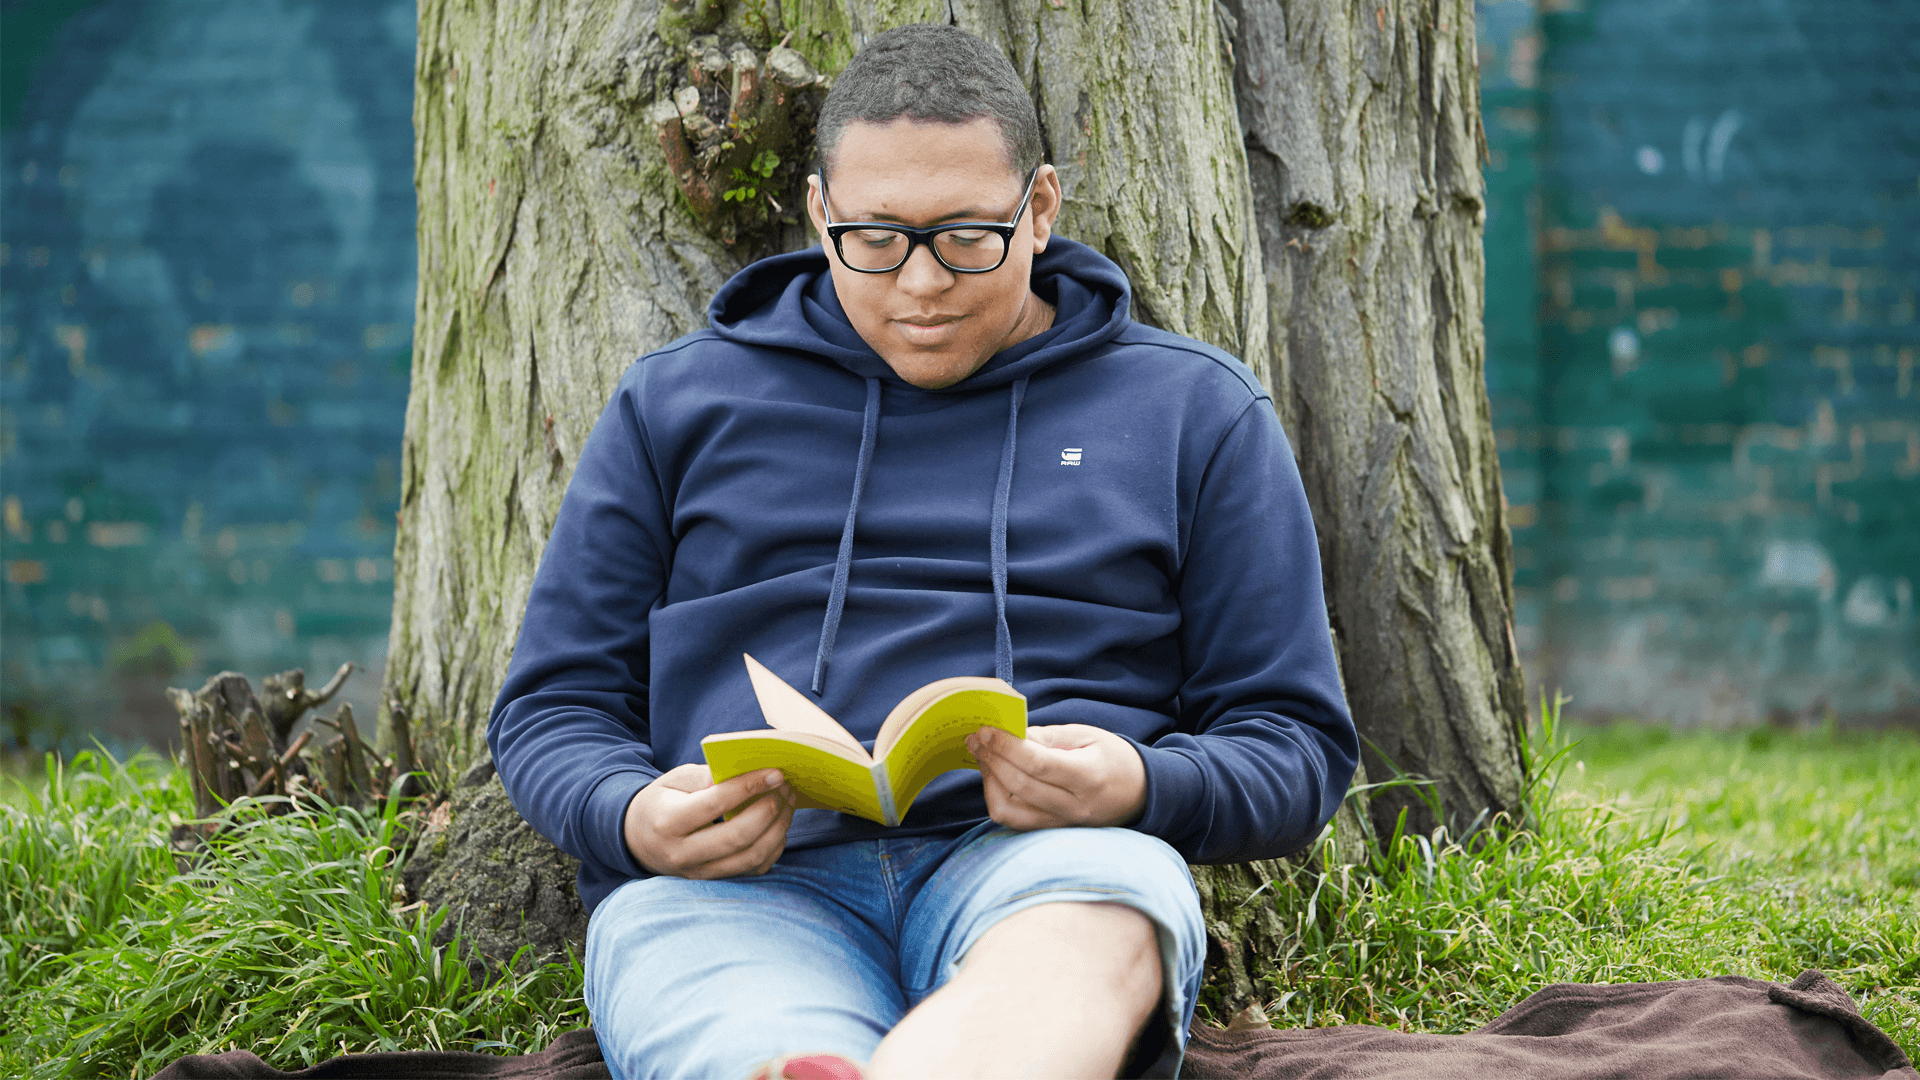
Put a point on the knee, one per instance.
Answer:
(1122, 929)
(1101, 944)
(1121, 938)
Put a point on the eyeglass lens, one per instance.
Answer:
(884, 249)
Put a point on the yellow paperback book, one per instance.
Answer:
(924, 736)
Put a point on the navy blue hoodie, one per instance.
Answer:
(1106, 515)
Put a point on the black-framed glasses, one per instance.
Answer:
(964, 247)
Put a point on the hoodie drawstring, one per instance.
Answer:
(842, 566)
(1002, 495)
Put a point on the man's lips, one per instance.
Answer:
(928, 331)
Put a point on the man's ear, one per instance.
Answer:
(1044, 207)
(816, 210)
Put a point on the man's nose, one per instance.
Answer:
(923, 275)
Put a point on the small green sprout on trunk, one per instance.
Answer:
(755, 174)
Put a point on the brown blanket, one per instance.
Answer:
(1725, 1027)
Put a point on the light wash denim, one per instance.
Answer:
(829, 949)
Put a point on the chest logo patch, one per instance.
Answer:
(1070, 456)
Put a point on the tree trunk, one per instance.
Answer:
(1364, 142)
(577, 209)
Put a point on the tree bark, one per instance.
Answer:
(570, 220)
(1364, 142)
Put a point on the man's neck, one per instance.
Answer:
(1036, 318)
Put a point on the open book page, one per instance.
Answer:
(819, 770)
(924, 736)
(934, 742)
(911, 706)
(787, 709)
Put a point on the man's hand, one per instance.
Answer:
(1064, 774)
(670, 824)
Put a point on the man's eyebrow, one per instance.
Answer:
(971, 213)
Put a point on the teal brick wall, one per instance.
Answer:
(1510, 44)
(1722, 414)
(1703, 250)
(206, 297)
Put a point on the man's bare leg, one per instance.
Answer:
(1058, 990)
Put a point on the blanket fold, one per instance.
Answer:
(1728, 1026)
(573, 1056)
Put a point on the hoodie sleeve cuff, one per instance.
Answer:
(1176, 790)
(604, 821)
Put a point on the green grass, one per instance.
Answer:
(288, 940)
(1654, 856)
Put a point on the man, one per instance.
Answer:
(934, 446)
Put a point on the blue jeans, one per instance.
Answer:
(833, 946)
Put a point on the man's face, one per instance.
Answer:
(932, 326)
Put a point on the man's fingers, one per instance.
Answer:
(682, 852)
(1034, 774)
(1064, 774)
(1019, 802)
(758, 856)
(1021, 816)
(672, 828)
(1044, 754)
(699, 807)
(724, 839)
(1026, 787)
(765, 850)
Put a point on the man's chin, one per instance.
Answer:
(930, 371)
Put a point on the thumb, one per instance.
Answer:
(692, 776)
(1064, 736)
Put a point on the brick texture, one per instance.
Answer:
(206, 296)
(1710, 427)
(1703, 252)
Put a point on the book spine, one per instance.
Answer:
(884, 787)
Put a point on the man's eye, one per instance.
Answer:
(965, 237)
(875, 238)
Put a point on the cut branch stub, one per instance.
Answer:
(359, 775)
(333, 772)
(193, 728)
(234, 746)
(736, 134)
(353, 772)
(406, 759)
(278, 776)
(288, 699)
(261, 753)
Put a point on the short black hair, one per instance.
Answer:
(931, 73)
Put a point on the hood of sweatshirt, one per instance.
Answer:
(788, 302)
